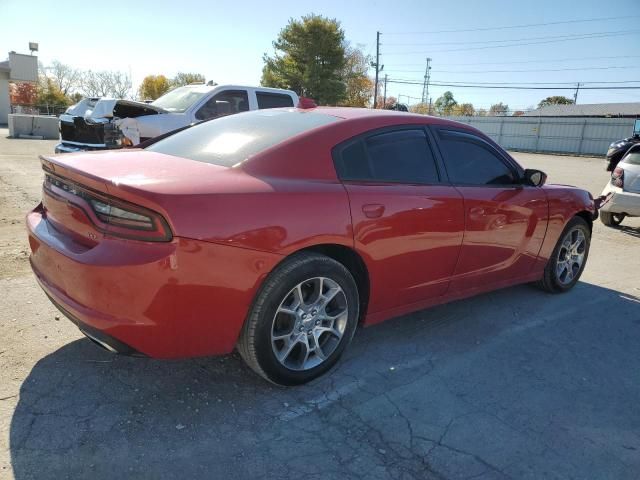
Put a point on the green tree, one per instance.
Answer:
(444, 104)
(154, 86)
(555, 100)
(499, 109)
(186, 78)
(49, 93)
(310, 59)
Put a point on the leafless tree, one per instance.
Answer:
(64, 76)
(106, 83)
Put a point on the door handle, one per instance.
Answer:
(373, 210)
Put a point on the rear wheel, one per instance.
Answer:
(301, 321)
(569, 257)
(611, 219)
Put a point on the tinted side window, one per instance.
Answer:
(224, 103)
(354, 162)
(273, 100)
(469, 162)
(401, 156)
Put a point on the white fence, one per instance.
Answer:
(582, 136)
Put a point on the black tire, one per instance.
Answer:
(255, 342)
(611, 219)
(550, 281)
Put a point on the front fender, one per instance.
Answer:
(565, 202)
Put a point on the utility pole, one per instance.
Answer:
(425, 85)
(384, 99)
(378, 70)
(575, 95)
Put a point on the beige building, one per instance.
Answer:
(18, 68)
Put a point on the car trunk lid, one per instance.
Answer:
(152, 181)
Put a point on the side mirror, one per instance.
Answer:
(534, 177)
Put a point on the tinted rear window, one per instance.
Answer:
(229, 140)
(273, 100)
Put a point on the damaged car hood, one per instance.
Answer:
(107, 108)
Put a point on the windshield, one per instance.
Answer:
(227, 141)
(179, 99)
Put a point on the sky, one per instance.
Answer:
(226, 41)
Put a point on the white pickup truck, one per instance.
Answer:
(107, 123)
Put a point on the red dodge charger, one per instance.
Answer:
(277, 232)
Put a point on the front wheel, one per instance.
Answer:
(611, 219)
(302, 319)
(569, 257)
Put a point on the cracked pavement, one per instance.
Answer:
(512, 384)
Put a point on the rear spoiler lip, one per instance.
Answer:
(49, 164)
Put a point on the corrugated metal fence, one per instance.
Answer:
(583, 136)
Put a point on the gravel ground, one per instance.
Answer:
(512, 384)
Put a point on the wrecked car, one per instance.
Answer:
(108, 123)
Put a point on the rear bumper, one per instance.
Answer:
(175, 299)
(622, 202)
(97, 336)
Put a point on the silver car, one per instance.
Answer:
(624, 189)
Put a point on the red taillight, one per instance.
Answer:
(617, 177)
(109, 215)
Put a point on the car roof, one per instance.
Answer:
(352, 113)
(231, 86)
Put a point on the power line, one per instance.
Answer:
(524, 71)
(572, 59)
(530, 83)
(524, 39)
(511, 87)
(506, 27)
(515, 44)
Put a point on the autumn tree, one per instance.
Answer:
(555, 100)
(186, 79)
(445, 104)
(388, 103)
(23, 93)
(154, 86)
(359, 87)
(310, 59)
(499, 109)
(464, 110)
(421, 108)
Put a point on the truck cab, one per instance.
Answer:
(103, 123)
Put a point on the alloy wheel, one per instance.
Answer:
(571, 256)
(309, 323)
